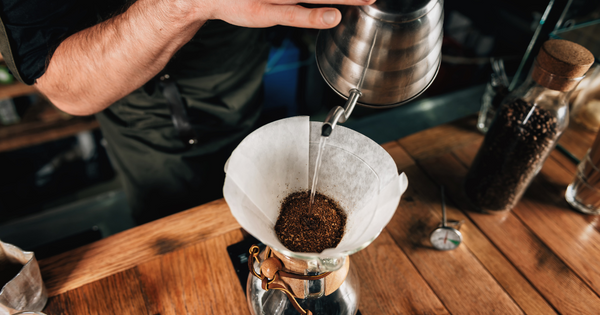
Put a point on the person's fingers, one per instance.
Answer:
(333, 2)
(297, 16)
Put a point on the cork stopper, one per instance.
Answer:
(561, 64)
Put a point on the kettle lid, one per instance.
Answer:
(399, 10)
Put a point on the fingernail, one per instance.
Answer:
(329, 17)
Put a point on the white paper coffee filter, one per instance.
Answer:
(277, 159)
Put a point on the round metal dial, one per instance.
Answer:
(445, 238)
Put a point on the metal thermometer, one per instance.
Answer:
(445, 237)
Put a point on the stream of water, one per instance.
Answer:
(313, 186)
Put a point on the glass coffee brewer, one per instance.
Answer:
(382, 55)
(526, 127)
(278, 159)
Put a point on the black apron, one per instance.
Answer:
(219, 75)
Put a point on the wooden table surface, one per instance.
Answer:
(42, 122)
(540, 258)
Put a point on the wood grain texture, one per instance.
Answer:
(571, 235)
(577, 140)
(16, 89)
(539, 258)
(198, 279)
(400, 157)
(441, 139)
(515, 284)
(487, 280)
(564, 162)
(40, 132)
(389, 283)
(120, 293)
(43, 122)
(558, 283)
(130, 248)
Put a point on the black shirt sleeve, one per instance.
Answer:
(34, 28)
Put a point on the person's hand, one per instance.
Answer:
(266, 13)
(136, 45)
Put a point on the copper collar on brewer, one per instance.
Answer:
(271, 269)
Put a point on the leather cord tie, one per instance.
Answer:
(177, 107)
(272, 268)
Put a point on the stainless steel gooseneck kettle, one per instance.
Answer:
(382, 55)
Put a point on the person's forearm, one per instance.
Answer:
(95, 67)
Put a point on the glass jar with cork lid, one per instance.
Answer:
(526, 127)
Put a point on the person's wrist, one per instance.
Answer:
(200, 10)
(184, 14)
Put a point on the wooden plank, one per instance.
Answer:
(389, 283)
(564, 162)
(573, 236)
(577, 140)
(559, 187)
(16, 89)
(558, 283)
(441, 139)
(198, 279)
(41, 132)
(120, 293)
(478, 264)
(43, 122)
(401, 157)
(127, 249)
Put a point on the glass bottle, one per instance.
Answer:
(339, 295)
(495, 91)
(526, 127)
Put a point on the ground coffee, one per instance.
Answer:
(516, 144)
(300, 231)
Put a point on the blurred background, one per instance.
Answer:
(58, 189)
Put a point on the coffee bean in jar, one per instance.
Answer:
(510, 155)
(526, 127)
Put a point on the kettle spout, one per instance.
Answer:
(334, 116)
(339, 113)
